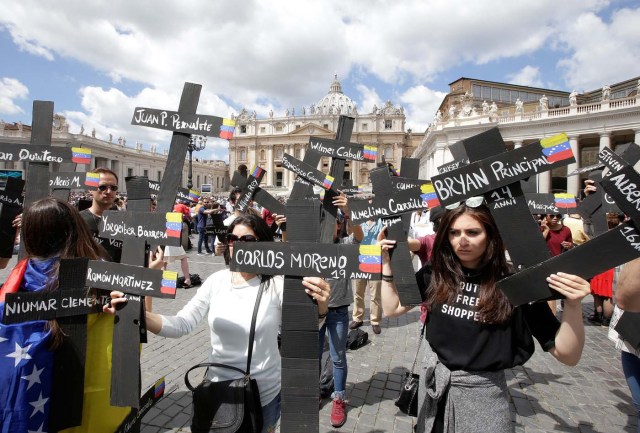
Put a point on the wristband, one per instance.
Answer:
(387, 278)
(322, 316)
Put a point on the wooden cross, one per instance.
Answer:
(394, 201)
(11, 201)
(507, 201)
(69, 305)
(39, 154)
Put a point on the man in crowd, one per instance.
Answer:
(370, 229)
(103, 199)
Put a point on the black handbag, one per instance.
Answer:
(229, 406)
(407, 401)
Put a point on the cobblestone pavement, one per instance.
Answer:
(545, 396)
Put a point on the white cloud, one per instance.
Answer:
(10, 90)
(601, 53)
(368, 98)
(420, 104)
(110, 112)
(527, 76)
(265, 55)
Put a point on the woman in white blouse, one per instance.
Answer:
(227, 300)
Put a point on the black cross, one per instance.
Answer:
(136, 228)
(39, 154)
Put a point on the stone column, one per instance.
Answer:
(270, 166)
(605, 140)
(544, 182)
(637, 131)
(573, 182)
(517, 144)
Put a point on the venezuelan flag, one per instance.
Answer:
(174, 224)
(92, 179)
(565, 201)
(370, 259)
(370, 153)
(227, 128)
(556, 148)
(81, 155)
(194, 195)
(158, 388)
(328, 182)
(257, 172)
(429, 195)
(168, 284)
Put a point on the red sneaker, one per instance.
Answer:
(338, 413)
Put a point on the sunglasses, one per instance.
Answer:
(556, 216)
(103, 188)
(474, 202)
(231, 238)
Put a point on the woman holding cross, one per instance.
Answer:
(473, 333)
(37, 358)
(226, 300)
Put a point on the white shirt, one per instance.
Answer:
(229, 309)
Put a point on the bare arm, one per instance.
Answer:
(414, 244)
(628, 290)
(569, 340)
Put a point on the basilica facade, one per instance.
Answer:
(603, 117)
(264, 141)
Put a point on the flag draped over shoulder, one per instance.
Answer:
(25, 367)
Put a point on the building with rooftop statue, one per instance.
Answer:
(263, 141)
(592, 120)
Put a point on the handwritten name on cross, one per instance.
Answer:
(69, 305)
(507, 203)
(251, 191)
(597, 204)
(11, 201)
(39, 154)
(616, 246)
(183, 123)
(135, 229)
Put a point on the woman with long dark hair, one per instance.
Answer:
(226, 299)
(52, 230)
(473, 332)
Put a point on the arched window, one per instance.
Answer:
(364, 177)
(297, 153)
(243, 154)
(388, 153)
(279, 153)
(262, 155)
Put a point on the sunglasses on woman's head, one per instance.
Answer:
(231, 238)
(103, 188)
(475, 201)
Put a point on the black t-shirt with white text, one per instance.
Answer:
(113, 246)
(462, 342)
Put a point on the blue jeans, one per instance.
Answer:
(271, 415)
(337, 325)
(631, 369)
(202, 237)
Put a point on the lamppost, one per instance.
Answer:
(196, 143)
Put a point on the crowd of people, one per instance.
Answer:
(459, 257)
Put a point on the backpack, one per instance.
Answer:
(357, 338)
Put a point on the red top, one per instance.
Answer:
(184, 209)
(556, 237)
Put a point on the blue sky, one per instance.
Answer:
(98, 61)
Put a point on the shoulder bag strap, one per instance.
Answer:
(422, 337)
(207, 364)
(252, 333)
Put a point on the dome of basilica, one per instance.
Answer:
(335, 102)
